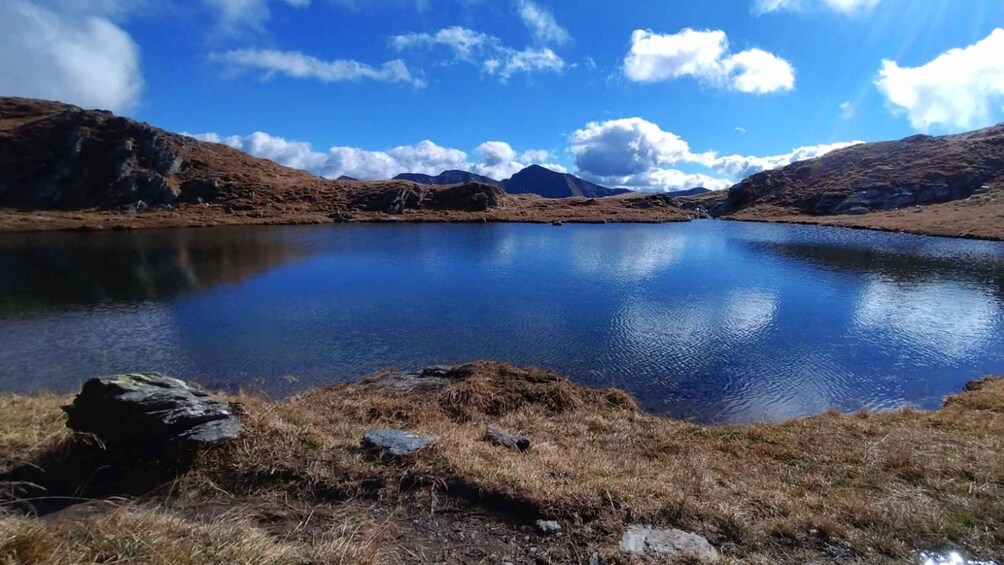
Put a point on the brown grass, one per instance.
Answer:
(866, 487)
(980, 216)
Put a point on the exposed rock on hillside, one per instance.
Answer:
(62, 167)
(448, 177)
(914, 171)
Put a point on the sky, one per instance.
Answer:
(654, 95)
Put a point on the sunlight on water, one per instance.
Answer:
(708, 321)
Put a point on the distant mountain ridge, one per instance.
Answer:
(448, 177)
(531, 180)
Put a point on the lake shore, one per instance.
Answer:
(297, 487)
(979, 217)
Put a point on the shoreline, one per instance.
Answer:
(49, 221)
(867, 487)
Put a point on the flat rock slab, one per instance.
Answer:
(150, 410)
(671, 542)
(395, 443)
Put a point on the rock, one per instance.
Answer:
(671, 542)
(505, 439)
(394, 443)
(548, 527)
(429, 378)
(150, 410)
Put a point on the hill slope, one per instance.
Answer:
(950, 185)
(447, 178)
(551, 184)
(64, 167)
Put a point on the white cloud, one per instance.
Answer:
(959, 89)
(68, 52)
(542, 23)
(847, 110)
(297, 65)
(636, 153)
(525, 61)
(238, 15)
(705, 56)
(741, 166)
(496, 159)
(488, 52)
(465, 43)
(846, 7)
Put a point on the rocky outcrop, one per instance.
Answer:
(471, 197)
(75, 158)
(150, 411)
(869, 177)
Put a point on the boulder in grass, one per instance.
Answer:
(150, 411)
(392, 444)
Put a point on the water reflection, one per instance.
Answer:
(47, 270)
(941, 319)
(712, 321)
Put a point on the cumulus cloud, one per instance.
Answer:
(542, 23)
(960, 89)
(71, 53)
(741, 166)
(297, 65)
(846, 7)
(636, 153)
(705, 55)
(495, 159)
(486, 51)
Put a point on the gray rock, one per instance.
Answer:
(429, 378)
(150, 410)
(672, 542)
(505, 439)
(548, 527)
(394, 443)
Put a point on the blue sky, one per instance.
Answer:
(657, 95)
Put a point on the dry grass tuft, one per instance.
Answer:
(150, 536)
(866, 487)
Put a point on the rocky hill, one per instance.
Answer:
(914, 171)
(448, 177)
(551, 184)
(65, 167)
(951, 186)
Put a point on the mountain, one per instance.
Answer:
(531, 180)
(689, 192)
(951, 185)
(448, 177)
(64, 167)
(917, 170)
(551, 184)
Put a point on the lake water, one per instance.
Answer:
(712, 321)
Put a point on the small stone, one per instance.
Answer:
(505, 439)
(394, 443)
(548, 527)
(643, 539)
